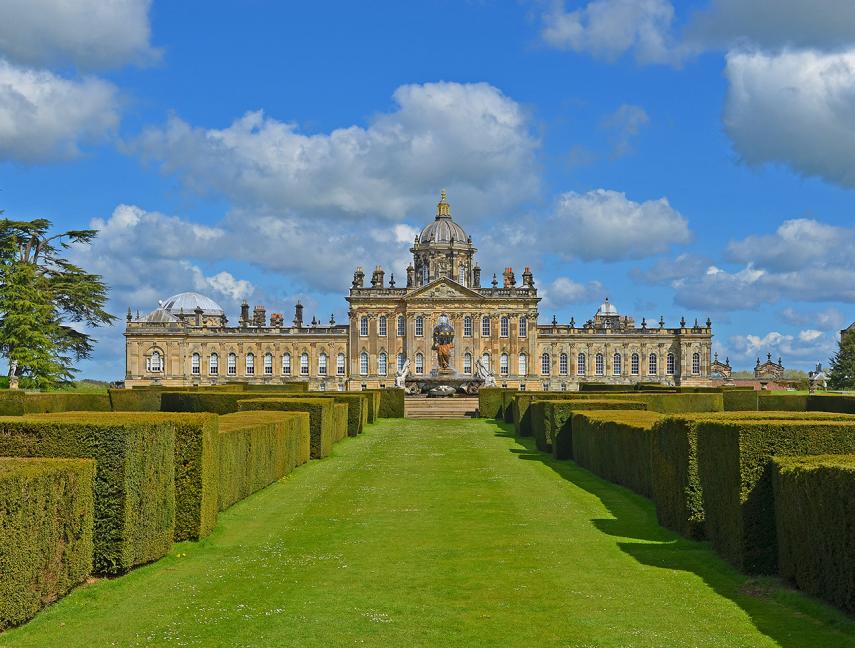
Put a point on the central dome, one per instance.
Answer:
(443, 229)
(188, 302)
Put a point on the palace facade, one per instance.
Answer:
(187, 340)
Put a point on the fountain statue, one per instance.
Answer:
(401, 376)
(443, 343)
(482, 372)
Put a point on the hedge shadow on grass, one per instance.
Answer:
(790, 618)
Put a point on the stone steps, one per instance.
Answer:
(440, 408)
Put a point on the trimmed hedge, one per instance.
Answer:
(676, 484)
(738, 400)
(392, 402)
(616, 445)
(135, 400)
(490, 402)
(321, 418)
(734, 459)
(297, 386)
(134, 483)
(831, 403)
(815, 518)
(258, 448)
(46, 520)
(507, 413)
(196, 466)
(605, 387)
(771, 402)
(550, 420)
(18, 403)
(340, 422)
(373, 396)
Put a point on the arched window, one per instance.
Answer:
(503, 327)
(155, 362)
(652, 364)
(286, 364)
(231, 364)
(381, 363)
(545, 364)
(599, 365)
(485, 326)
(304, 364)
(635, 364)
(363, 326)
(562, 364)
(402, 358)
(523, 326)
(420, 363)
(485, 360)
(467, 363)
(669, 364)
(402, 326)
(581, 364)
(195, 364)
(503, 364)
(268, 364)
(420, 326)
(523, 364)
(250, 364)
(467, 326)
(617, 363)
(339, 364)
(381, 324)
(696, 363)
(214, 364)
(322, 364)
(363, 363)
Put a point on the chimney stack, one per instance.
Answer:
(298, 315)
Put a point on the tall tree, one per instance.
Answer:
(842, 370)
(45, 302)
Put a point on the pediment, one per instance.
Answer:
(444, 289)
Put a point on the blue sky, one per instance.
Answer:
(684, 158)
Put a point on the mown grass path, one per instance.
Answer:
(423, 533)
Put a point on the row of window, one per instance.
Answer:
(504, 326)
(155, 364)
(461, 275)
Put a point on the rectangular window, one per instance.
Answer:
(304, 364)
(322, 364)
(562, 364)
(286, 364)
(599, 364)
(420, 326)
(634, 364)
(616, 365)
(696, 363)
(467, 363)
(322, 387)
(268, 364)
(382, 331)
(402, 323)
(363, 326)
(503, 364)
(503, 327)
(339, 364)
(669, 364)
(467, 327)
(485, 327)
(523, 326)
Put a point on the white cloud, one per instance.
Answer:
(830, 319)
(606, 225)
(795, 108)
(774, 24)
(469, 137)
(563, 291)
(46, 117)
(803, 349)
(608, 29)
(225, 283)
(88, 33)
(810, 335)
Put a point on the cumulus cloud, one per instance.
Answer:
(563, 291)
(469, 136)
(795, 108)
(608, 29)
(88, 33)
(829, 319)
(45, 117)
(774, 24)
(606, 225)
(803, 260)
(800, 349)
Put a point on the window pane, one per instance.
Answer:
(545, 364)
(523, 327)
(382, 326)
(581, 362)
(503, 327)
(617, 369)
(485, 327)
(401, 326)
(562, 364)
(381, 364)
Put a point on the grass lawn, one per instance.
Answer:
(423, 533)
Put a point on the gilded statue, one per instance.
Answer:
(443, 342)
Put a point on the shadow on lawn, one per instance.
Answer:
(790, 618)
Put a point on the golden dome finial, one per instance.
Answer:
(442, 207)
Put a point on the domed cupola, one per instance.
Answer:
(443, 249)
